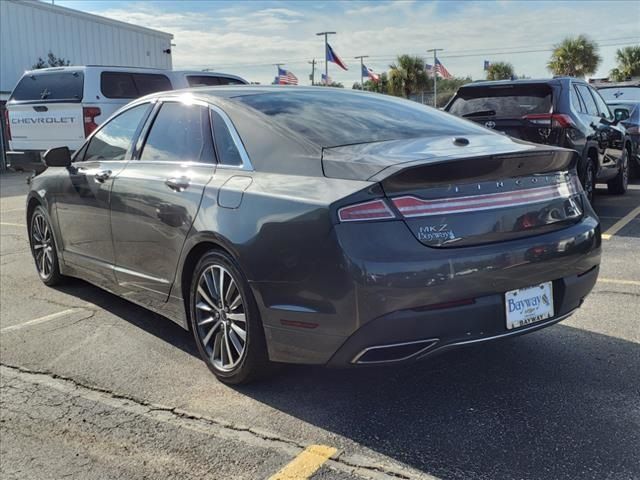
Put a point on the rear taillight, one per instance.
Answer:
(373, 210)
(89, 114)
(552, 120)
(6, 119)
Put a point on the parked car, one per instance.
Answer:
(317, 226)
(62, 106)
(566, 112)
(624, 99)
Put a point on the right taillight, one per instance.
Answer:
(89, 114)
(372, 210)
(6, 119)
(553, 120)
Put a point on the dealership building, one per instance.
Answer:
(29, 30)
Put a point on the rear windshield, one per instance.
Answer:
(512, 101)
(331, 119)
(49, 87)
(132, 85)
(620, 94)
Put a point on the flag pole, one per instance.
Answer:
(435, 75)
(326, 59)
(361, 69)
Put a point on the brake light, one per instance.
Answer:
(6, 119)
(89, 114)
(373, 210)
(553, 120)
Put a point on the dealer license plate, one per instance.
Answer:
(528, 305)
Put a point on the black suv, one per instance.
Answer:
(566, 112)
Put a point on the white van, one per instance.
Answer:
(55, 107)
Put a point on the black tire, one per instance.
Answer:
(588, 179)
(43, 247)
(216, 323)
(634, 166)
(618, 186)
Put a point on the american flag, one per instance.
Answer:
(440, 70)
(285, 77)
(326, 80)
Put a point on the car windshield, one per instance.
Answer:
(331, 119)
(502, 101)
(620, 94)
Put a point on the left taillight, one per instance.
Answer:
(366, 211)
(6, 119)
(553, 120)
(89, 115)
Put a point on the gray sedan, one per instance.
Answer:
(317, 225)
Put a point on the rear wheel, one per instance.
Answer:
(588, 180)
(43, 247)
(620, 182)
(225, 320)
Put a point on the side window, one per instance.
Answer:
(202, 80)
(147, 83)
(225, 146)
(589, 103)
(113, 140)
(602, 106)
(576, 102)
(180, 133)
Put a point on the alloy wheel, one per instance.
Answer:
(42, 245)
(589, 182)
(221, 318)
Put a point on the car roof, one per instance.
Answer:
(522, 81)
(231, 91)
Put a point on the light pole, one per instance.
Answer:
(435, 75)
(361, 69)
(326, 60)
(313, 71)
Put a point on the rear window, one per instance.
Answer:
(49, 87)
(620, 94)
(132, 85)
(331, 119)
(209, 81)
(503, 101)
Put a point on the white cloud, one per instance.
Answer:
(247, 38)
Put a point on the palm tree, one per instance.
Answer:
(628, 59)
(500, 71)
(575, 57)
(407, 76)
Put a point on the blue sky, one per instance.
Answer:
(246, 37)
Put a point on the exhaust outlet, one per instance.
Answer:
(396, 352)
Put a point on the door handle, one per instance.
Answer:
(177, 183)
(102, 175)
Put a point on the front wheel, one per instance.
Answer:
(620, 182)
(43, 247)
(225, 320)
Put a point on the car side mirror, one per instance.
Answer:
(621, 114)
(57, 157)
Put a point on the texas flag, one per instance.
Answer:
(333, 57)
(367, 72)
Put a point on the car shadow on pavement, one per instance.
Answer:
(560, 403)
(140, 317)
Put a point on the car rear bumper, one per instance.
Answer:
(27, 161)
(412, 334)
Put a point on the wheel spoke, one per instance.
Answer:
(211, 287)
(206, 321)
(217, 351)
(207, 299)
(237, 317)
(235, 303)
(235, 341)
(228, 297)
(42, 263)
(227, 347)
(221, 286)
(206, 339)
(204, 306)
(239, 331)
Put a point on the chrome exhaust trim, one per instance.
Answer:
(419, 350)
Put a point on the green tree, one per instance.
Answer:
(51, 61)
(407, 76)
(575, 57)
(500, 71)
(628, 59)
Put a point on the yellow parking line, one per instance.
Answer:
(13, 224)
(306, 463)
(620, 282)
(620, 223)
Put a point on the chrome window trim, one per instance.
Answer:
(246, 161)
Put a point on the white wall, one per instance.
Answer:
(30, 29)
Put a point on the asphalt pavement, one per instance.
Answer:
(92, 386)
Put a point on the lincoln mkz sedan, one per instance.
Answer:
(317, 226)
